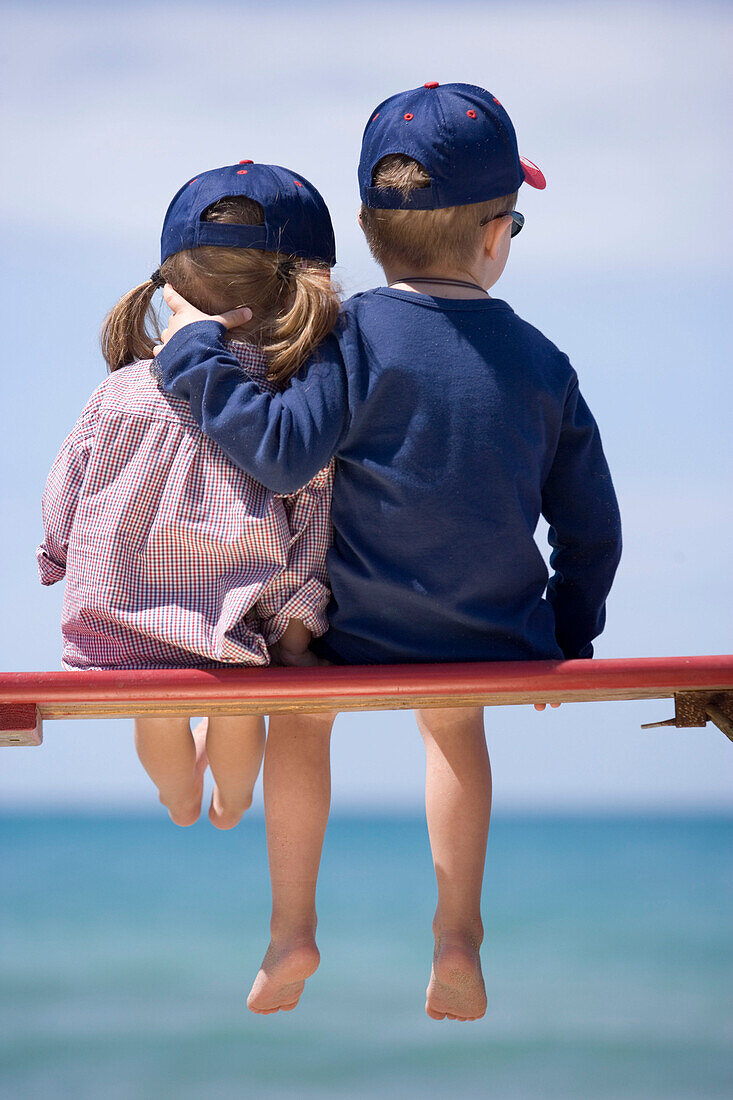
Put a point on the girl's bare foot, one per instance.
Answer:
(283, 974)
(223, 816)
(456, 988)
(187, 810)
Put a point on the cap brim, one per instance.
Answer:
(532, 174)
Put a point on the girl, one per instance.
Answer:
(173, 557)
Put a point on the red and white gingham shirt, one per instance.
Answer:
(172, 555)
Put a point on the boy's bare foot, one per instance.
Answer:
(456, 988)
(223, 816)
(281, 979)
(188, 811)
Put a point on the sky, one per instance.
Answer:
(624, 262)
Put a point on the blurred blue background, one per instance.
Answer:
(127, 945)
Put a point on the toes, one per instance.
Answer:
(270, 1011)
(436, 1014)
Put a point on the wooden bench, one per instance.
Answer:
(702, 688)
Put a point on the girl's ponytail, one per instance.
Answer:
(294, 303)
(125, 336)
(310, 316)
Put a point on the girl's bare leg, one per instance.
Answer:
(234, 747)
(297, 784)
(458, 807)
(175, 761)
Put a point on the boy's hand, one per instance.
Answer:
(183, 313)
(541, 706)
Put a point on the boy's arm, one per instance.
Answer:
(579, 503)
(281, 440)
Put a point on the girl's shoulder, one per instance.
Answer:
(134, 391)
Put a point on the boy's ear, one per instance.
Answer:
(361, 223)
(494, 232)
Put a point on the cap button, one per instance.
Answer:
(432, 84)
(246, 162)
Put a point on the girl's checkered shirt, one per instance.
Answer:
(172, 555)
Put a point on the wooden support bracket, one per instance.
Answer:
(20, 724)
(697, 708)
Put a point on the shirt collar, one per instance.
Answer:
(249, 357)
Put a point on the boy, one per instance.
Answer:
(454, 424)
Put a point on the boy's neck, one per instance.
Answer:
(436, 282)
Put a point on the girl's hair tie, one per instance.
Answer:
(285, 269)
(157, 279)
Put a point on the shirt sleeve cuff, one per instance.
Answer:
(173, 356)
(49, 571)
(308, 604)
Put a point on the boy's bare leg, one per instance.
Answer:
(175, 760)
(458, 807)
(297, 784)
(234, 747)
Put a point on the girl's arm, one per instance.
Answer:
(292, 649)
(292, 608)
(60, 497)
(281, 440)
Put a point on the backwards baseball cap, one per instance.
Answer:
(460, 134)
(297, 222)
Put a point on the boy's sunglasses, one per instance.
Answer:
(517, 220)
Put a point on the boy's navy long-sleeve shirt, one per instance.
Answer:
(455, 424)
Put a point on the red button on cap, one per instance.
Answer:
(432, 84)
(246, 162)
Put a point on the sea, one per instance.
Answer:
(127, 947)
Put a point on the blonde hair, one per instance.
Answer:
(294, 303)
(420, 239)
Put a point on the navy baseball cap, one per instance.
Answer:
(297, 222)
(460, 134)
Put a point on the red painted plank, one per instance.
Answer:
(366, 681)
